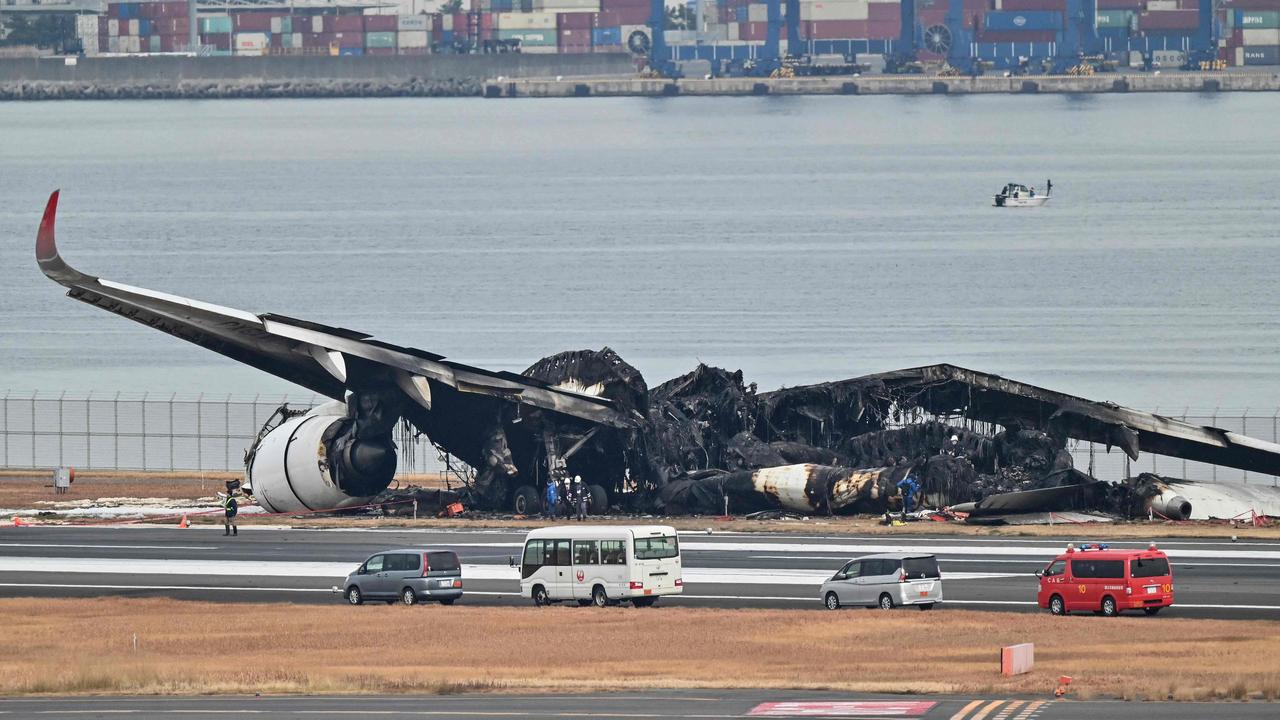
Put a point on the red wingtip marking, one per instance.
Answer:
(45, 247)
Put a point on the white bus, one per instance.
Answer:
(601, 565)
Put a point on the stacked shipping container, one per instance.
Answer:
(150, 27)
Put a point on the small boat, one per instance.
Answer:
(1015, 195)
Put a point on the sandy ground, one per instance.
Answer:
(25, 490)
(169, 646)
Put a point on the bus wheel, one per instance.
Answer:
(540, 597)
(1056, 606)
(598, 596)
(1109, 606)
(526, 501)
(1151, 610)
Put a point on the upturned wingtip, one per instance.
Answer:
(46, 247)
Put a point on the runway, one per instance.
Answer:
(1213, 578)
(655, 704)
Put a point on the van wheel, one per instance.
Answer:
(926, 606)
(1151, 610)
(408, 596)
(540, 597)
(354, 597)
(598, 596)
(526, 501)
(1109, 606)
(1056, 606)
(886, 602)
(832, 601)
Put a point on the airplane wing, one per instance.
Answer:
(310, 354)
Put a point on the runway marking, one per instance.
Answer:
(115, 547)
(1030, 710)
(1007, 710)
(960, 715)
(862, 709)
(987, 710)
(362, 711)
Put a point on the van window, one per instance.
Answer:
(533, 558)
(850, 570)
(586, 552)
(443, 561)
(1148, 567)
(395, 562)
(612, 552)
(1057, 567)
(1097, 568)
(657, 548)
(373, 564)
(920, 568)
(878, 567)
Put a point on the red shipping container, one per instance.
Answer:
(316, 40)
(253, 22)
(380, 23)
(623, 16)
(1169, 20)
(171, 26)
(1017, 36)
(575, 21)
(882, 11)
(172, 43)
(104, 25)
(1056, 5)
(437, 22)
(486, 21)
(461, 23)
(835, 29)
(881, 29)
(149, 10)
(343, 23)
(348, 39)
(219, 41)
(113, 11)
(931, 16)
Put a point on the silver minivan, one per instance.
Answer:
(885, 581)
(409, 575)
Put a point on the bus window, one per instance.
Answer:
(612, 553)
(533, 558)
(586, 552)
(562, 552)
(657, 548)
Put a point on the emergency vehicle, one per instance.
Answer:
(1096, 578)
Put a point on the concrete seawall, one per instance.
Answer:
(286, 76)
(889, 85)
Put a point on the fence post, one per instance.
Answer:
(172, 397)
(226, 433)
(115, 429)
(88, 430)
(200, 432)
(61, 395)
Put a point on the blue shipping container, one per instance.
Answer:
(606, 36)
(144, 27)
(447, 37)
(1024, 20)
(740, 14)
(350, 51)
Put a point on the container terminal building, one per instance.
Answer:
(1242, 32)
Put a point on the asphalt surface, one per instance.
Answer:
(657, 704)
(1212, 578)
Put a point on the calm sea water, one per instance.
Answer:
(800, 239)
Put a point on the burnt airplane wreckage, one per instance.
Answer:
(970, 440)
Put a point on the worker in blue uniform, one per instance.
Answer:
(908, 487)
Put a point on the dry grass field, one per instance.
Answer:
(75, 645)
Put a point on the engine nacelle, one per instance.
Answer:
(316, 462)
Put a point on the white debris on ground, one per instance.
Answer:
(121, 508)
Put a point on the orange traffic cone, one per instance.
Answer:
(183, 524)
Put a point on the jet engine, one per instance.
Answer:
(333, 456)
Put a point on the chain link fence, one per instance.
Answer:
(210, 433)
(148, 431)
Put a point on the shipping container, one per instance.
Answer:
(1162, 5)
(1261, 55)
(412, 38)
(216, 24)
(381, 23)
(343, 23)
(1115, 19)
(882, 29)
(1028, 20)
(606, 36)
(834, 29)
(250, 43)
(134, 27)
(317, 24)
(1248, 19)
(1137, 5)
(252, 22)
(1257, 36)
(528, 37)
(418, 22)
(884, 11)
(833, 10)
(1054, 5)
(1017, 36)
(380, 40)
(351, 51)
(1163, 20)
(576, 20)
(113, 27)
(559, 6)
(379, 51)
(219, 41)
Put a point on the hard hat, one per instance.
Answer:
(577, 478)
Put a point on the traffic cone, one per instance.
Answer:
(183, 524)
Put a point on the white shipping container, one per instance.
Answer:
(447, 22)
(1239, 57)
(113, 28)
(113, 46)
(420, 22)
(133, 27)
(733, 31)
(1162, 4)
(526, 21)
(131, 44)
(1261, 36)
(295, 40)
(250, 43)
(555, 6)
(277, 25)
(757, 12)
(413, 38)
(317, 24)
(86, 25)
(835, 10)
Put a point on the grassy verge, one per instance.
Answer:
(74, 645)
